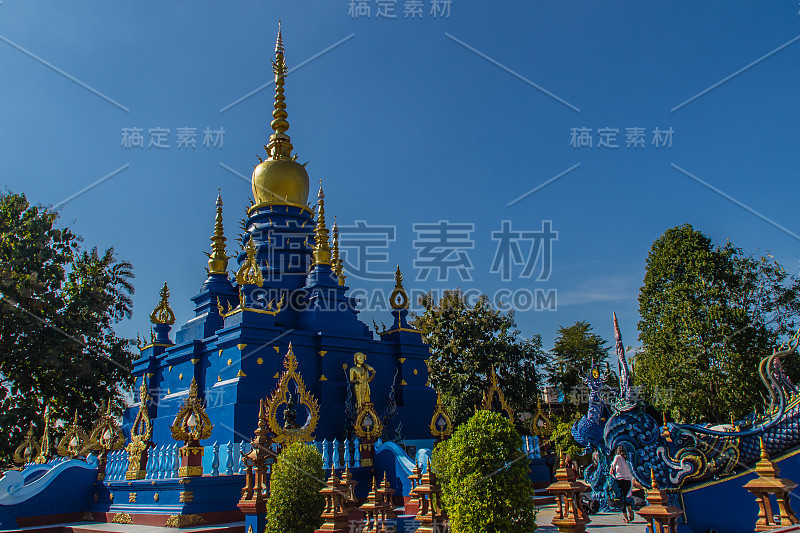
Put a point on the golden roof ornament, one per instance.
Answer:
(106, 435)
(218, 259)
(399, 297)
(29, 450)
(322, 250)
(280, 180)
(336, 261)
(283, 434)
(74, 440)
(191, 423)
(44, 444)
(163, 314)
(250, 273)
(141, 433)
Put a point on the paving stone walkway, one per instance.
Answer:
(602, 522)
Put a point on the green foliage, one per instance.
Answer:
(574, 350)
(484, 477)
(708, 315)
(58, 306)
(295, 503)
(561, 440)
(465, 341)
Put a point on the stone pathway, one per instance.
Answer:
(604, 522)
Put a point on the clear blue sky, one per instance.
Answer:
(415, 121)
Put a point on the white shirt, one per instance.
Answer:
(620, 468)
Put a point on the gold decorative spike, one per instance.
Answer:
(399, 298)
(73, 441)
(191, 423)
(44, 444)
(322, 250)
(288, 435)
(163, 314)
(217, 259)
(141, 433)
(249, 273)
(336, 261)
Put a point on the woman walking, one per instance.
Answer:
(622, 473)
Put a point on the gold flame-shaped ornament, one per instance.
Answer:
(106, 435)
(141, 432)
(191, 423)
(163, 314)
(44, 444)
(287, 435)
(495, 391)
(441, 423)
(399, 298)
(73, 441)
(540, 424)
(29, 450)
(368, 424)
(249, 273)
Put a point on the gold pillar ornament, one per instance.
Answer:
(376, 519)
(218, 259)
(163, 314)
(257, 463)
(361, 374)
(280, 180)
(569, 515)
(322, 250)
(141, 435)
(769, 484)
(441, 424)
(106, 437)
(336, 261)
(249, 272)
(334, 515)
(74, 440)
(431, 514)
(661, 518)
(399, 297)
(290, 432)
(489, 395)
(191, 425)
(44, 443)
(29, 450)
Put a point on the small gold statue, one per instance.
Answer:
(360, 375)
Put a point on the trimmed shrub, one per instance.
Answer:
(295, 504)
(484, 477)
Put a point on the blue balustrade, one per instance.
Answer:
(335, 463)
(356, 453)
(229, 461)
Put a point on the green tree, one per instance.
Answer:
(465, 341)
(484, 477)
(574, 350)
(708, 315)
(295, 503)
(58, 306)
(561, 438)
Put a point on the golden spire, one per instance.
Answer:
(322, 250)
(163, 314)
(399, 297)
(250, 273)
(336, 261)
(280, 146)
(217, 259)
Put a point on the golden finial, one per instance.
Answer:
(399, 298)
(763, 448)
(163, 314)
(280, 146)
(249, 273)
(322, 250)
(217, 259)
(336, 261)
(653, 482)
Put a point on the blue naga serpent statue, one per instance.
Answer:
(680, 454)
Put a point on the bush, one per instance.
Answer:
(484, 477)
(295, 504)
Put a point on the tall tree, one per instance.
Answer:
(708, 315)
(58, 306)
(575, 348)
(465, 341)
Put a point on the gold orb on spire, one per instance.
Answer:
(280, 179)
